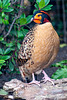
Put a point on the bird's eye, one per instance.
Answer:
(39, 15)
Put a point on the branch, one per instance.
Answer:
(19, 13)
(13, 2)
(21, 5)
(11, 26)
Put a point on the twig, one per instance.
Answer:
(19, 13)
(21, 5)
(13, 2)
(11, 26)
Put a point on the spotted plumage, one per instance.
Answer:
(39, 47)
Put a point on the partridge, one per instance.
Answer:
(39, 48)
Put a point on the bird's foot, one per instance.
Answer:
(34, 81)
(46, 78)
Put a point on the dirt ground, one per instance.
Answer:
(62, 55)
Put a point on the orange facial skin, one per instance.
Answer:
(37, 18)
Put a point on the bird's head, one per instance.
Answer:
(41, 17)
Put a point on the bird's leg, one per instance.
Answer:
(34, 81)
(46, 78)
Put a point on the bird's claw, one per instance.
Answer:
(48, 79)
(35, 82)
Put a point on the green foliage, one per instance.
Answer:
(62, 72)
(43, 4)
(12, 34)
(5, 7)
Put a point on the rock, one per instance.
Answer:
(33, 92)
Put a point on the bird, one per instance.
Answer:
(39, 48)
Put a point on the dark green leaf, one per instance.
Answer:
(7, 51)
(11, 44)
(0, 20)
(48, 7)
(34, 11)
(23, 16)
(29, 18)
(1, 52)
(20, 34)
(2, 61)
(63, 61)
(18, 45)
(38, 1)
(1, 38)
(4, 57)
(8, 10)
(0, 3)
(16, 54)
(46, 2)
(13, 61)
(24, 31)
(60, 73)
(0, 73)
(11, 66)
(5, 2)
(3, 92)
(5, 21)
(23, 21)
(36, 6)
(41, 4)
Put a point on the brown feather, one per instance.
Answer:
(40, 47)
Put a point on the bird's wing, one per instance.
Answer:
(26, 46)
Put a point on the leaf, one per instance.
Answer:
(36, 6)
(24, 31)
(1, 38)
(11, 44)
(60, 64)
(3, 14)
(11, 66)
(23, 15)
(20, 34)
(48, 7)
(8, 10)
(2, 61)
(5, 57)
(63, 61)
(63, 45)
(0, 73)
(1, 52)
(23, 21)
(5, 21)
(41, 4)
(13, 61)
(18, 45)
(3, 92)
(7, 51)
(34, 11)
(29, 18)
(38, 1)
(0, 3)
(0, 20)
(46, 2)
(60, 73)
(5, 2)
